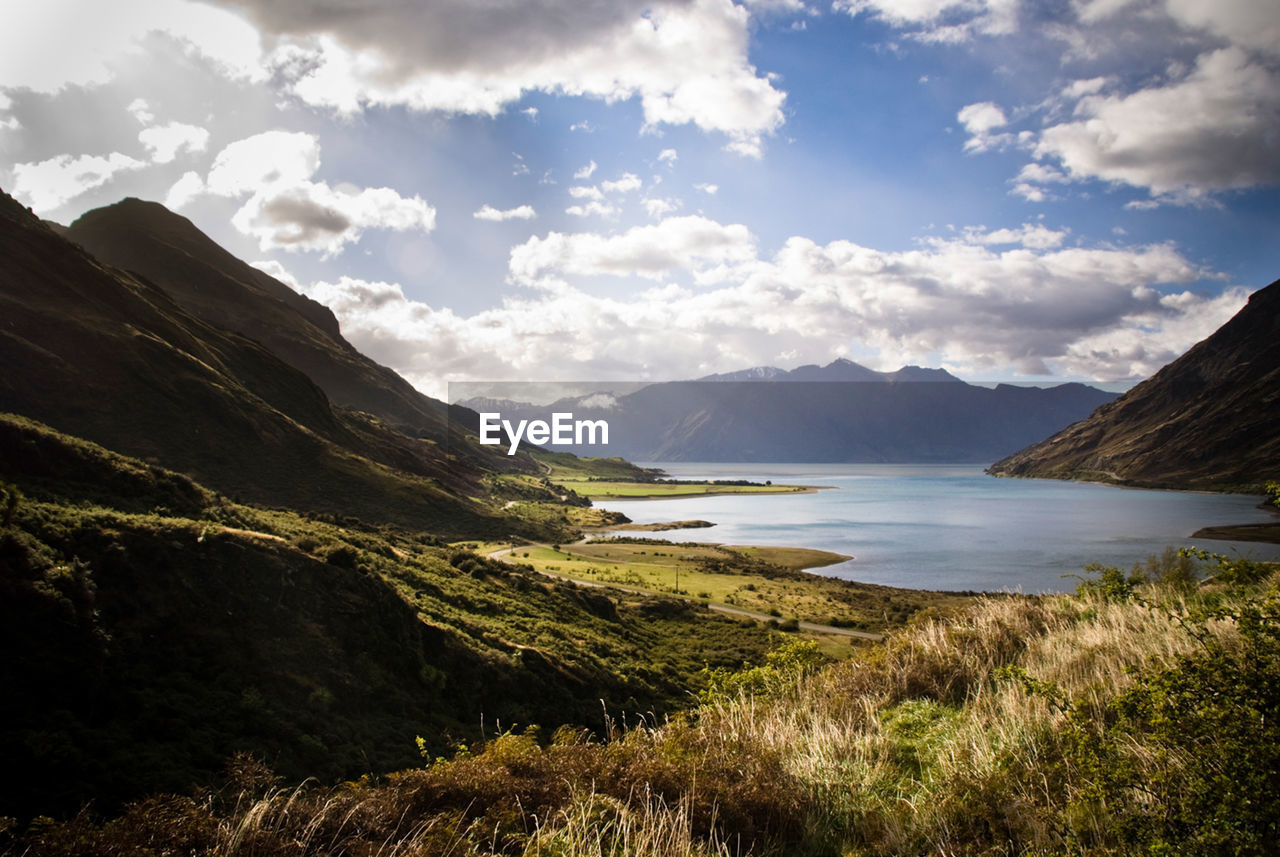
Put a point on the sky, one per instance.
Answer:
(640, 190)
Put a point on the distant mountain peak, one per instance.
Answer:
(840, 369)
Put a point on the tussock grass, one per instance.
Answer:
(1111, 721)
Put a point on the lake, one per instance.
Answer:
(950, 526)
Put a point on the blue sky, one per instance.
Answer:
(637, 190)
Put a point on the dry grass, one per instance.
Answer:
(916, 747)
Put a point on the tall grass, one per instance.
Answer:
(966, 735)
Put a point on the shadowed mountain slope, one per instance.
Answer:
(216, 287)
(1208, 420)
(110, 356)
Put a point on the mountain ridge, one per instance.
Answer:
(1210, 420)
(109, 355)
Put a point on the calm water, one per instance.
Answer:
(950, 526)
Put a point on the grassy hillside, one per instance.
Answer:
(100, 353)
(151, 628)
(1138, 716)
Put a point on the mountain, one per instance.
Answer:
(1209, 420)
(837, 370)
(216, 287)
(111, 356)
(842, 412)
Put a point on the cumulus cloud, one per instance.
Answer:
(1034, 236)
(585, 172)
(48, 184)
(685, 60)
(627, 183)
(166, 141)
(980, 120)
(1095, 312)
(660, 207)
(668, 156)
(184, 190)
(690, 243)
(1208, 131)
(90, 38)
(943, 21)
(488, 212)
(594, 208)
(286, 209)
(1206, 125)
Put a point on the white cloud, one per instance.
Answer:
(594, 208)
(141, 111)
(285, 209)
(627, 183)
(668, 156)
(269, 158)
(184, 190)
(980, 120)
(522, 212)
(1253, 24)
(661, 207)
(691, 243)
(48, 184)
(166, 141)
(942, 21)
(90, 37)
(1091, 312)
(685, 60)
(710, 189)
(585, 172)
(1033, 236)
(1208, 131)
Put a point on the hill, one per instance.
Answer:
(216, 287)
(1210, 420)
(151, 628)
(109, 355)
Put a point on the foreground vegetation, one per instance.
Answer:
(151, 627)
(1140, 715)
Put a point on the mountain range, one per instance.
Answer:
(841, 412)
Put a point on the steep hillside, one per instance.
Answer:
(1208, 420)
(109, 355)
(216, 287)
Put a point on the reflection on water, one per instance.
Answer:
(950, 526)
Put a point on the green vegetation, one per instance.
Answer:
(155, 627)
(1140, 715)
(564, 467)
(613, 478)
(670, 490)
(766, 581)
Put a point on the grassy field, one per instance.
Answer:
(602, 490)
(762, 580)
